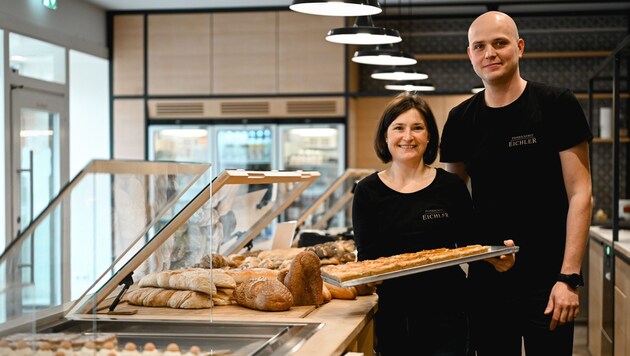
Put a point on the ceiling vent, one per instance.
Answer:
(179, 108)
(296, 107)
(245, 107)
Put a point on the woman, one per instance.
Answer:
(408, 207)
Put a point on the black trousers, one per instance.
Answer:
(499, 321)
(399, 332)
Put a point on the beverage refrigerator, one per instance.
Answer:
(273, 146)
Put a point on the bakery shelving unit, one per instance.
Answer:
(609, 256)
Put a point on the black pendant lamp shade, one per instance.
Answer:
(410, 86)
(384, 55)
(337, 7)
(398, 73)
(363, 33)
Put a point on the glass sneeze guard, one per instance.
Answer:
(332, 208)
(109, 209)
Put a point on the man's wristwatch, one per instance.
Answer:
(573, 280)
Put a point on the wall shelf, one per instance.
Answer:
(610, 140)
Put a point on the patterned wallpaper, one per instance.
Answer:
(541, 34)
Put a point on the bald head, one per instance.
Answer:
(493, 21)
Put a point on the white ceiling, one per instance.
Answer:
(420, 7)
(124, 5)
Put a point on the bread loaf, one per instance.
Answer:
(241, 276)
(280, 253)
(304, 279)
(341, 292)
(263, 294)
(159, 297)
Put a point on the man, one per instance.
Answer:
(524, 146)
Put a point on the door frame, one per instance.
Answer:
(22, 96)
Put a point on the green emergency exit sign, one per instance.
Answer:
(51, 4)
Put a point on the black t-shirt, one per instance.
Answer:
(387, 222)
(511, 154)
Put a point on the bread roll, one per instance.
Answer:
(341, 292)
(304, 279)
(365, 289)
(263, 294)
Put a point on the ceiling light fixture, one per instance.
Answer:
(337, 7)
(413, 86)
(384, 55)
(398, 73)
(363, 33)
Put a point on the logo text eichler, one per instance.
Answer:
(434, 214)
(522, 140)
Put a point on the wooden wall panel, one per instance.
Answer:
(128, 55)
(307, 62)
(367, 113)
(245, 53)
(179, 54)
(129, 137)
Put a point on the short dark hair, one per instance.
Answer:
(400, 104)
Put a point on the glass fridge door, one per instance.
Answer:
(180, 143)
(249, 147)
(313, 147)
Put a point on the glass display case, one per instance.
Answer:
(117, 221)
(332, 207)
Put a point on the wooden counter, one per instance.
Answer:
(605, 235)
(348, 324)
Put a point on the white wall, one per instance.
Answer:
(89, 110)
(74, 24)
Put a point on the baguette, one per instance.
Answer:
(159, 297)
(262, 293)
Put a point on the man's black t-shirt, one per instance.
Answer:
(511, 154)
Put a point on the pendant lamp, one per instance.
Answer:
(337, 7)
(384, 55)
(410, 86)
(363, 33)
(398, 73)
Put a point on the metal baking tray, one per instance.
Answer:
(493, 251)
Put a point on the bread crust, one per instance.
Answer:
(262, 293)
(368, 268)
(304, 279)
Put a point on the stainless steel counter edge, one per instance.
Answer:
(605, 235)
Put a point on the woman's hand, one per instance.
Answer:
(504, 262)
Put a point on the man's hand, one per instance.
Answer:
(503, 262)
(564, 303)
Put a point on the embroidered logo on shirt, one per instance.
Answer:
(522, 140)
(432, 214)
